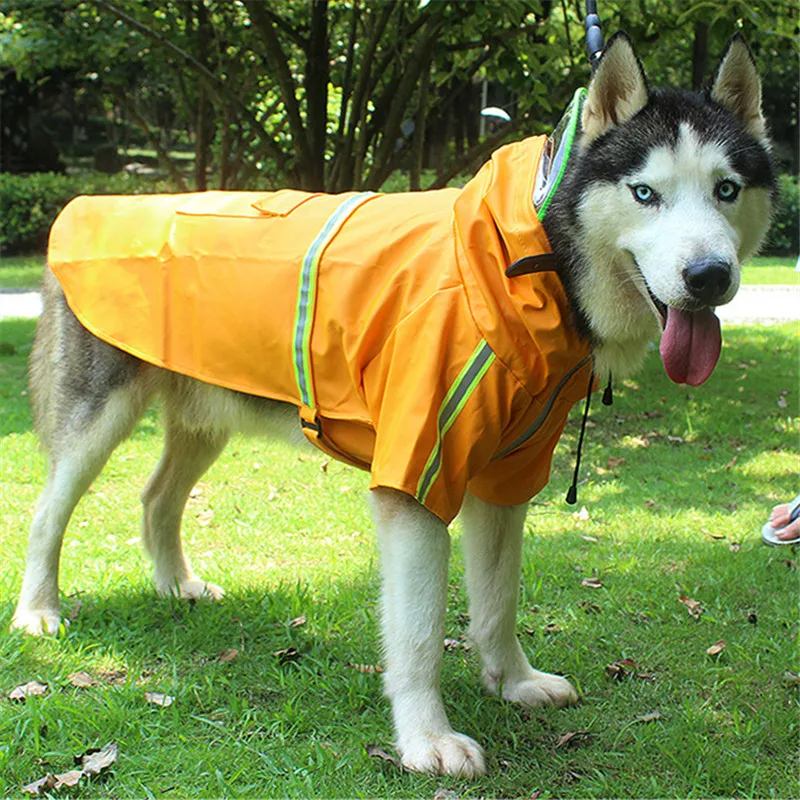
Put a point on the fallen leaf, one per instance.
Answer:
(717, 535)
(717, 647)
(613, 463)
(298, 621)
(95, 762)
(83, 680)
(791, 678)
(620, 670)
(731, 462)
(75, 610)
(791, 564)
(367, 669)
(782, 402)
(552, 628)
(113, 676)
(30, 689)
(324, 466)
(159, 699)
(68, 779)
(286, 655)
(651, 717)
(588, 538)
(451, 644)
(570, 736)
(592, 583)
(694, 608)
(590, 608)
(227, 655)
(583, 514)
(374, 751)
(445, 794)
(734, 547)
(204, 517)
(46, 784)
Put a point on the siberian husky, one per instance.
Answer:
(665, 194)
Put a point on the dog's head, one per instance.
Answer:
(671, 191)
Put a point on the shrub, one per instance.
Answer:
(30, 203)
(784, 236)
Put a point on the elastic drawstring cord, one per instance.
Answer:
(608, 399)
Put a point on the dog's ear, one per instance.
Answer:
(737, 87)
(617, 91)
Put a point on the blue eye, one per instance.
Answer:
(643, 194)
(727, 191)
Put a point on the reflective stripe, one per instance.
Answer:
(455, 399)
(542, 416)
(307, 295)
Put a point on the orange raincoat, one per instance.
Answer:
(387, 319)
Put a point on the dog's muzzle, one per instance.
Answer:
(708, 279)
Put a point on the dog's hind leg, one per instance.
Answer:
(187, 455)
(76, 457)
(493, 552)
(415, 548)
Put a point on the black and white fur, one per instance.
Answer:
(622, 261)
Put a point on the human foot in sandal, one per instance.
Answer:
(784, 524)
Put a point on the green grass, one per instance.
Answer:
(680, 515)
(21, 272)
(25, 272)
(771, 270)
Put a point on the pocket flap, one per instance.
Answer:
(283, 202)
(221, 204)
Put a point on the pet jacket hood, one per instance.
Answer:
(387, 319)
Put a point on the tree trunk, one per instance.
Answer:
(418, 141)
(699, 54)
(317, 72)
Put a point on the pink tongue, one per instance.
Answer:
(690, 345)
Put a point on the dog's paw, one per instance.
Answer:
(540, 689)
(37, 623)
(190, 589)
(444, 754)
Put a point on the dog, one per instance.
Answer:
(562, 260)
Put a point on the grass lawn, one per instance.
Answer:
(676, 485)
(25, 272)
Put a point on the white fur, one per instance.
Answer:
(415, 547)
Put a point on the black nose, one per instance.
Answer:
(708, 279)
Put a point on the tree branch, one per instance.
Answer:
(279, 65)
(477, 153)
(219, 90)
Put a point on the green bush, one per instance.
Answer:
(784, 236)
(30, 203)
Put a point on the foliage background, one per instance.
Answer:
(331, 95)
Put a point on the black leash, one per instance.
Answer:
(595, 43)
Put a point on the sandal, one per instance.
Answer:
(768, 533)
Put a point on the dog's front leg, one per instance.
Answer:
(493, 553)
(415, 550)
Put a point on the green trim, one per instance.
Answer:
(573, 117)
(307, 294)
(454, 401)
